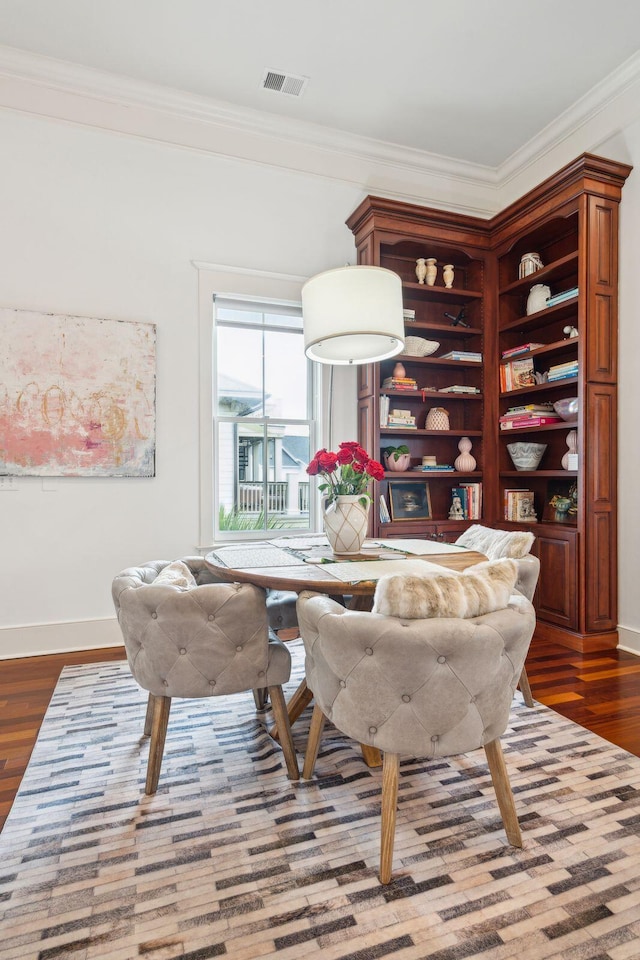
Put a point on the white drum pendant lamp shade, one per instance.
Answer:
(353, 315)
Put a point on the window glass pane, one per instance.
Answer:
(261, 476)
(286, 375)
(238, 355)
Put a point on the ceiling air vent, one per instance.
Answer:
(284, 83)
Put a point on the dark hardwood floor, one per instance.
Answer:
(600, 691)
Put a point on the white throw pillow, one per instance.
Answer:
(497, 543)
(478, 590)
(177, 574)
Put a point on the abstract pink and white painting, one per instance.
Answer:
(77, 396)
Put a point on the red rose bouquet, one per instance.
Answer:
(347, 472)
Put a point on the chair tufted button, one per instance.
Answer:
(239, 648)
(368, 651)
(211, 617)
(154, 615)
(406, 698)
(373, 729)
(261, 673)
(473, 700)
(165, 683)
(212, 683)
(183, 650)
(435, 738)
(343, 683)
(442, 659)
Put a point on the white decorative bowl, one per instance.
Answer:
(567, 408)
(419, 347)
(401, 464)
(525, 455)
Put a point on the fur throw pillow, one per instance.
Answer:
(478, 590)
(497, 543)
(177, 574)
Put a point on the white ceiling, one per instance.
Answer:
(473, 80)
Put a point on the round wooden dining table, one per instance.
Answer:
(306, 562)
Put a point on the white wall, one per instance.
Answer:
(106, 225)
(103, 225)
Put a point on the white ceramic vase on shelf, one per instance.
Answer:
(437, 419)
(345, 524)
(465, 463)
(421, 269)
(572, 443)
(432, 270)
(447, 275)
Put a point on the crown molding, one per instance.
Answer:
(69, 92)
(618, 94)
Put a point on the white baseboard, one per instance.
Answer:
(33, 640)
(629, 640)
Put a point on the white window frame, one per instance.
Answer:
(229, 282)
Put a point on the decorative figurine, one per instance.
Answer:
(570, 332)
(421, 269)
(457, 511)
(431, 271)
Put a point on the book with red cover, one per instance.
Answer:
(528, 422)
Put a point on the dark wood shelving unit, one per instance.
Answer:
(571, 221)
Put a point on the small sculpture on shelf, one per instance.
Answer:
(570, 332)
(561, 506)
(421, 269)
(537, 299)
(457, 510)
(459, 320)
(447, 275)
(432, 270)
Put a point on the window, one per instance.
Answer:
(263, 426)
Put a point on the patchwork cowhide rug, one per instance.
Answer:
(231, 859)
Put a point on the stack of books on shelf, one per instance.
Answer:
(436, 468)
(518, 505)
(560, 371)
(523, 348)
(529, 415)
(401, 418)
(515, 374)
(409, 315)
(458, 388)
(470, 495)
(561, 297)
(399, 383)
(462, 355)
(384, 409)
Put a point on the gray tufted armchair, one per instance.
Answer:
(207, 641)
(422, 688)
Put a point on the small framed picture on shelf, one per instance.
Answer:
(561, 504)
(410, 501)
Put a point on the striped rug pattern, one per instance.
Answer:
(230, 859)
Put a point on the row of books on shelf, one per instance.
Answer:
(557, 298)
(518, 505)
(467, 497)
(516, 374)
(560, 371)
(529, 415)
(462, 355)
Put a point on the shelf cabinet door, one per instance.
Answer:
(557, 594)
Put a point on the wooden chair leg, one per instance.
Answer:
(297, 704)
(161, 708)
(390, 772)
(260, 697)
(504, 796)
(284, 727)
(148, 720)
(316, 727)
(525, 689)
